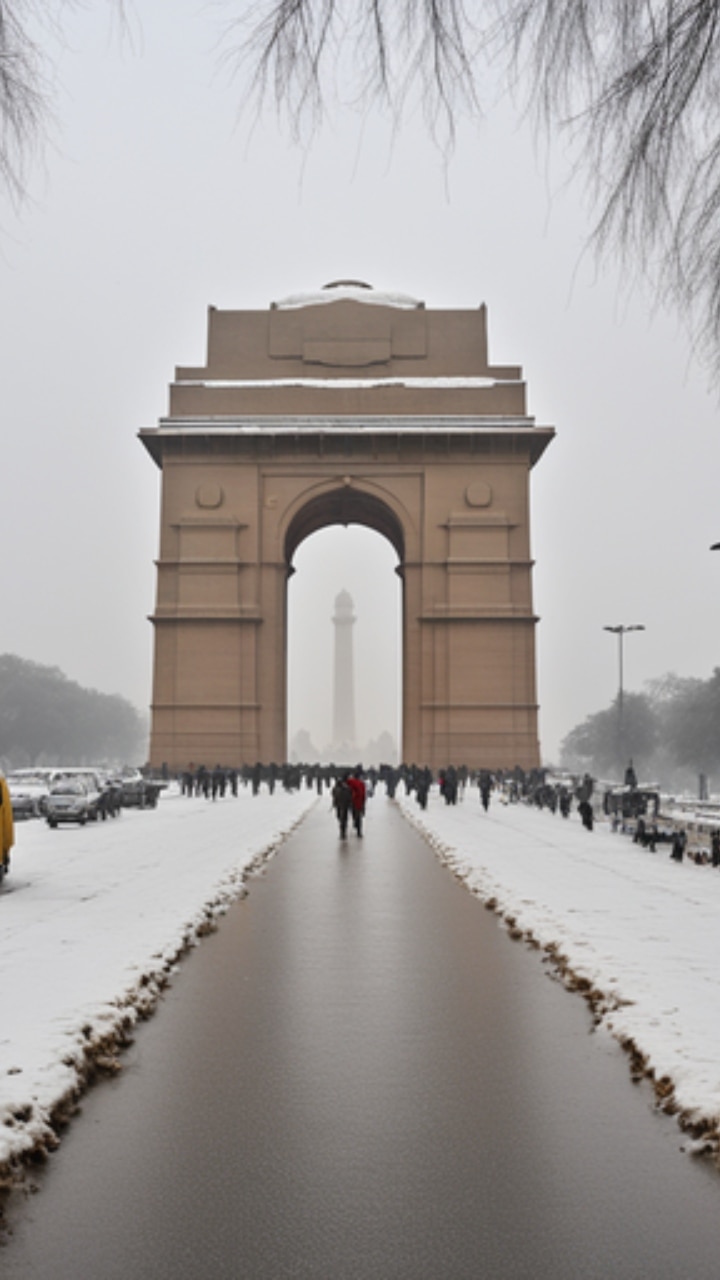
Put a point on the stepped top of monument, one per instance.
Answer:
(347, 350)
(354, 290)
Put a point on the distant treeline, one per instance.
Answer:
(45, 719)
(671, 731)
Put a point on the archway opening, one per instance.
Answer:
(327, 561)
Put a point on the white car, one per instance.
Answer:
(28, 793)
(74, 799)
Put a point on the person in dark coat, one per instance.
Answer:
(715, 848)
(678, 846)
(342, 802)
(586, 813)
(631, 776)
(449, 785)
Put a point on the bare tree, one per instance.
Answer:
(297, 50)
(636, 82)
(21, 92)
(639, 83)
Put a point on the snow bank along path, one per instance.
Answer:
(635, 933)
(92, 921)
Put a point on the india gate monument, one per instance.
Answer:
(346, 406)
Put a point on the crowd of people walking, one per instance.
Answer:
(629, 809)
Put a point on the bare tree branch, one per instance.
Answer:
(300, 53)
(21, 94)
(635, 82)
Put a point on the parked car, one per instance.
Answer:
(138, 791)
(74, 799)
(28, 794)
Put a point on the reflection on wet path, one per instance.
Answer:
(360, 1077)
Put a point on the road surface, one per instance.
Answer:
(361, 1077)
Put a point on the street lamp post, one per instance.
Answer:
(621, 631)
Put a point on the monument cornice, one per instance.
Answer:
(275, 435)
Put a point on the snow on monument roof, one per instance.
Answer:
(353, 290)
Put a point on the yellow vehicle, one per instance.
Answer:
(7, 828)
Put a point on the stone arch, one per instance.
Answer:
(343, 504)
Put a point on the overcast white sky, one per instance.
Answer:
(152, 202)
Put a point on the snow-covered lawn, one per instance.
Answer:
(92, 920)
(638, 934)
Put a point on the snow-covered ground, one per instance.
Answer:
(92, 921)
(637, 934)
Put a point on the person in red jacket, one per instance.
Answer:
(358, 792)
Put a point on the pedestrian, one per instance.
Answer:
(715, 847)
(342, 802)
(586, 813)
(358, 792)
(449, 785)
(678, 846)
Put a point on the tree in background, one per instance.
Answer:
(693, 725)
(672, 733)
(635, 84)
(47, 719)
(593, 745)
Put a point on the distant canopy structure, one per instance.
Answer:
(348, 405)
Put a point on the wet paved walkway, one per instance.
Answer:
(361, 1077)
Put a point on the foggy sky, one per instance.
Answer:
(153, 201)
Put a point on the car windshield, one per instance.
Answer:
(68, 789)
